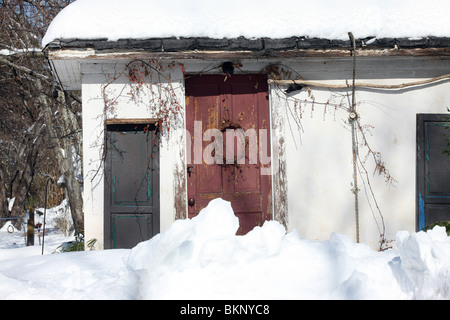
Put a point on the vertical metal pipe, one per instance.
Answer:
(353, 118)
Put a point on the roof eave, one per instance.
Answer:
(74, 51)
(286, 47)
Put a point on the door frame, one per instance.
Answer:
(423, 198)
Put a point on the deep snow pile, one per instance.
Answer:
(202, 258)
(330, 19)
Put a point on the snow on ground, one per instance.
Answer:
(330, 19)
(202, 258)
(58, 229)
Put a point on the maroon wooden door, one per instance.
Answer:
(228, 147)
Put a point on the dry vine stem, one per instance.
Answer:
(363, 85)
(162, 99)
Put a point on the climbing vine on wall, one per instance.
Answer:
(301, 102)
(149, 83)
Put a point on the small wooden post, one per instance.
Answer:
(30, 228)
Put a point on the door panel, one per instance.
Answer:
(130, 229)
(225, 116)
(131, 185)
(433, 169)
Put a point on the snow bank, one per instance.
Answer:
(83, 275)
(331, 19)
(202, 258)
(425, 261)
(59, 228)
(58, 217)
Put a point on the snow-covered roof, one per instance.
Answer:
(326, 19)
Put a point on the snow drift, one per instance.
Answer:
(202, 258)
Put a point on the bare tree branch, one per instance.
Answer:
(26, 70)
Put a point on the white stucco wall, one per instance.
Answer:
(317, 154)
(94, 77)
(320, 158)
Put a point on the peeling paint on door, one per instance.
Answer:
(225, 118)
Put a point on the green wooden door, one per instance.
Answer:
(131, 185)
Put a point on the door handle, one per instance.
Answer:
(190, 169)
(191, 202)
